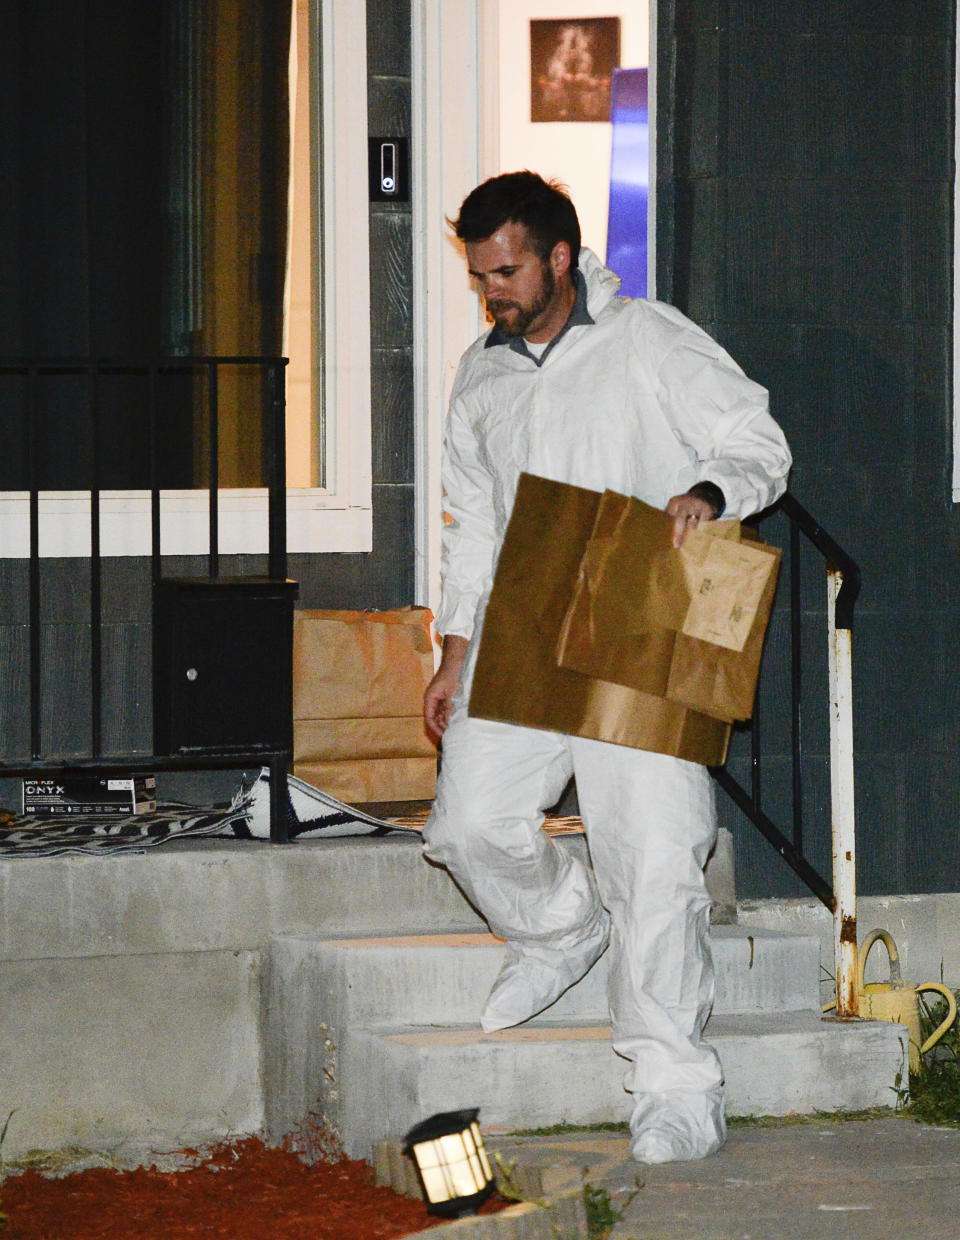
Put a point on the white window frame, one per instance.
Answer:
(337, 517)
(448, 154)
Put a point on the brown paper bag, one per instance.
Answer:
(517, 679)
(358, 683)
(687, 625)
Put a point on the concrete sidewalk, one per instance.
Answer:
(870, 1179)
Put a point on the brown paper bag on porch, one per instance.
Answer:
(687, 625)
(517, 679)
(358, 682)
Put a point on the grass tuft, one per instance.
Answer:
(564, 1130)
(602, 1214)
(934, 1094)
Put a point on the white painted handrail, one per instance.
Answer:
(842, 804)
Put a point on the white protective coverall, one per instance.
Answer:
(640, 401)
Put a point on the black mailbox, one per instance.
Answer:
(223, 666)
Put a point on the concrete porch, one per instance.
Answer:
(147, 1006)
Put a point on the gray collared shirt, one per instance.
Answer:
(579, 316)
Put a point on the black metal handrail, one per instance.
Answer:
(34, 367)
(791, 848)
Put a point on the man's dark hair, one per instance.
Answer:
(542, 207)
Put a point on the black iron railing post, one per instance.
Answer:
(796, 687)
(213, 481)
(277, 472)
(153, 419)
(36, 702)
(96, 579)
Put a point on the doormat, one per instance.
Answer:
(311, 815)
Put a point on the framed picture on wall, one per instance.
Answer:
(571, 67)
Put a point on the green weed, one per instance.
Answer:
(934, 1095)
(508, 1181)
(600, 1210)
(807, 1117)
(602, 1214)
(733, 1121)
(560, 1130)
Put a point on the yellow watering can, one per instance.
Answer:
(896, 1001)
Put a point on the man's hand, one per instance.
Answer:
(689, 509)
(438, 698)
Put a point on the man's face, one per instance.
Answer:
(518, 287)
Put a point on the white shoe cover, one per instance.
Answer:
(677, 1126)
(534, 976)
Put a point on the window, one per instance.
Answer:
(329, 508)
(334, 513)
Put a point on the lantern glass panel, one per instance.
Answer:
(457, 1157)
(481, 1151)
(434, 1178)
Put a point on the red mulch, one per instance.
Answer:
(243, 1191)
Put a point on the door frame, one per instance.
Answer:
(455, 145)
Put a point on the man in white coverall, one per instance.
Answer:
(579, 385)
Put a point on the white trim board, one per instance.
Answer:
(313, 523)
(448, 120)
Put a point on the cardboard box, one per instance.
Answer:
(517, 679)
(89, 794)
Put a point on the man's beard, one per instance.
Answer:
(525, 315)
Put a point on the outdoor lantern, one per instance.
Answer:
(451, 1162)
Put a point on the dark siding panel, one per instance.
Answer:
(127, 719)
(392, 425)
(388, 37)
(811, 16)
(126, 589)
(698, 103)
(14, 592)
(15, 681)
(390, 280)
(65, 685)
(388, 112)
(804, 218)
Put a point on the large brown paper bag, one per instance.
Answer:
(687, 625)
(517, 679)
(358, 683)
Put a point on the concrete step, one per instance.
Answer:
(364, 1036)
(445, 978)
(220, 895)
(368, 1030)
(538, 1076)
